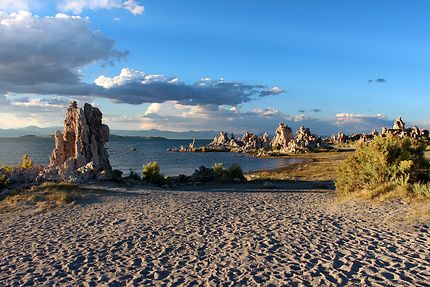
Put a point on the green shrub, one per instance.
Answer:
(151, 174)
(385, 160)
(235, 171)
(227, 175)
(7, 169)
(27, 162)
(151, 169)
(4, 181)
(219, 168)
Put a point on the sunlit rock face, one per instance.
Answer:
(399, 129)
(283, 136)
(221, 140)
(266, 141)
(304, 141)
(80, 152)
(399, 124)
(251, 141)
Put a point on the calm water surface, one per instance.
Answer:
(123, 156)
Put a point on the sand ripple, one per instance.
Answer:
(212, 239)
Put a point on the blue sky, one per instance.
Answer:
(321, 54)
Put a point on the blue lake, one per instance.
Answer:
(131, 153)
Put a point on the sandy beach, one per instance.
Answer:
(159, 238)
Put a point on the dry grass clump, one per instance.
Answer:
(315, 167)
(47, 195)
(384, 168)
(59, 193)
(421, 190)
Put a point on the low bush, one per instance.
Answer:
(27, 162)
(151, 174)
(4, 181)
(235, 171)
(230, 174)
(383, 164)
(7, 169)
(219, 168)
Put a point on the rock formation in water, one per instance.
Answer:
(266, 142)
(399, 129)
(192, 145)
(80, 152)
(221, 140)
(251, 141)
(283, 136)
(283, 142)
(304, 141)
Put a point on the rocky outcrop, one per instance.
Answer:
(203, 174)
(399, 124)
(283, 142)
(221, 140)
(304, 141)
(266, 142)
(251, 141)
(192, 145)
(399, 129)
(341, 137)
(80, 152)
(283, 136)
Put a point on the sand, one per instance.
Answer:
(159, 238)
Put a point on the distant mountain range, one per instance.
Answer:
(30, 130)
(49, 131)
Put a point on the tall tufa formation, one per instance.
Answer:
(283, 136)
(399, 124)
(304, 141)
(221, 140)
(80, 151)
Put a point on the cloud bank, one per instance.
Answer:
(361, 122)
(174, 116)
(42, 54)
(77, 6)
(46, 111)
(135, 87)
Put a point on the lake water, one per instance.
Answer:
(123, 156)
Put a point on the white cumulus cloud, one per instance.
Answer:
(44, 54)
(77, 6)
